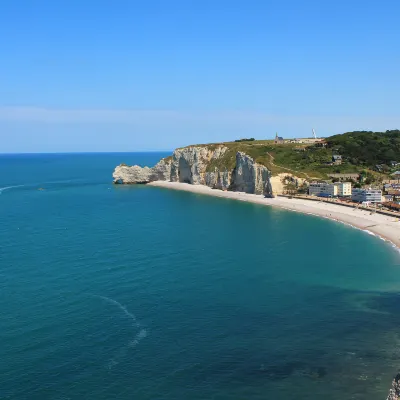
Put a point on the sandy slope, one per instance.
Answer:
(384, 226)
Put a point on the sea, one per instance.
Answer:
(144, 293)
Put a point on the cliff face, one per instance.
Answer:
(202, 166)
(190, 164)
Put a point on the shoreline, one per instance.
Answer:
(385, 227)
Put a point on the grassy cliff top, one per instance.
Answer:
(360, 151)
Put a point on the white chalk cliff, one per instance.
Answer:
(202, 165)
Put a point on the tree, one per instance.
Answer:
(245, 140)
(367, 148)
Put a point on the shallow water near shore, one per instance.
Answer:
(140, 292)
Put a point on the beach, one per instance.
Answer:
(386, 227)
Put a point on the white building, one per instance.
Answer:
(367, 195)
(323, 189)
(344, 189)
(308, 140)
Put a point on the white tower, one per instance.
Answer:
(314, 134)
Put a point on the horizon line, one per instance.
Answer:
(84, 152)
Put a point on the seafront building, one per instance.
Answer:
(367, 195)
(323, 189)
(344, 189)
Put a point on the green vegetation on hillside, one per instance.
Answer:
(367, 148)
(361, 151)
(305, 161)
(277, 158)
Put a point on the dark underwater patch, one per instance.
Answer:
(386, 302)
(286, 370)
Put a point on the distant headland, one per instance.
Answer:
(280, 166)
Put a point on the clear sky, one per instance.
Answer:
(126, 75)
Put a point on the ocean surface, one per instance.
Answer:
(135, 292)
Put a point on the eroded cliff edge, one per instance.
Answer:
(205, 165)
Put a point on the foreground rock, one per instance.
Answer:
(394, 392)
(203, 165)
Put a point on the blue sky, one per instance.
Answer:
(126, 75)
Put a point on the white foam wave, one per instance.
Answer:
(141, 335)
(64, 181)
(122, 308)
(132, 343)
(39, 184)
(9, 187)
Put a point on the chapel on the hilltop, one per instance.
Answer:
(278, 139)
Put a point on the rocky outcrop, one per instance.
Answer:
(218, 179)
(249, 176)
(135, 174)
(190, 164)
(280, 181)
(123, 174)
(161, 171)
(394, 392)
(202, 165)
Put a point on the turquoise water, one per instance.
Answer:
(135, 292)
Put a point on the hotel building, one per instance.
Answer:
(367, 195)
(323, 189)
